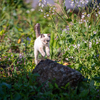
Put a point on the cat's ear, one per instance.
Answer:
(48, 35)
(42, 35)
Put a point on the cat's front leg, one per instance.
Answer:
(47, 50)
(42, 51)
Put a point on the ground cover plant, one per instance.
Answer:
(75, 41)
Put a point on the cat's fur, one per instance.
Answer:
(40, 43)
(37, 30)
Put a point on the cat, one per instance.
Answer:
(41, 42)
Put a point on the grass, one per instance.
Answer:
(74, 41)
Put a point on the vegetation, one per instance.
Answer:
(74, 42)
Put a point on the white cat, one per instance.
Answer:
(40, 43)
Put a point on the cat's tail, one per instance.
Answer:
(37, 30)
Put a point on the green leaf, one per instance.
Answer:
(50, 86)
(68, 11)
(97, 79)
(16, 30)
(93, 51)
(71, 49)
(70, 40)
(7, 85)
(56, 85)
(17, 96)
(67, 85)
(4, 8)
(36, 75)
(65, 8)
(1, 90)
(76, 65)
(93, 65)
(69, 19)
(83, 45)
(84, 93)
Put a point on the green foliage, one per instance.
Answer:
(74, 40)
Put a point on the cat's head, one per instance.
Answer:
(45, 38)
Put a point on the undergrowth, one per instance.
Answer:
(74, 42)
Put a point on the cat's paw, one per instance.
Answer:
(36, 62)
(48, 54)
